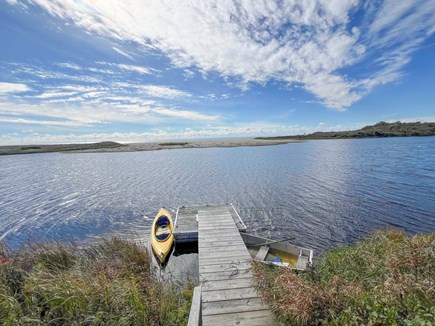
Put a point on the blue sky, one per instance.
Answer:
(131, 71)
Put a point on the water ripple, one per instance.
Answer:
(322, 192)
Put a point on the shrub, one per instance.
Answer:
(111, 283)
(387, 279)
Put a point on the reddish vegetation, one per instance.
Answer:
(386, 279)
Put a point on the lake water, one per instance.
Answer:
(325, 193)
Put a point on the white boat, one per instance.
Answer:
(278, 253)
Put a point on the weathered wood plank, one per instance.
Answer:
(233, 250)
(249, 318)
(196, 308)
(225, 249)
(232, 306)
(204, 257)
(262, 253)
(222, 254)
(239, 254)
(216, 232)
(219, 238)
(228, 294)
(232, 261)
(225, 275)
(214, 242)
(227, 283)
(217, 227)
(222, 239)
(224, 267)
(214, 216)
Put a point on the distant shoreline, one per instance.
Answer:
(379, 130)
(113, 147)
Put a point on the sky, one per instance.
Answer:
(76, 71)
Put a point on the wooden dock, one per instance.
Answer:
(226, 295)
(186, 221)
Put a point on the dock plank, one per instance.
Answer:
(248, 318)
(226, 283)
(225, 275)
(225, 248)
(233, 306)
(228, 295)
(224, 254)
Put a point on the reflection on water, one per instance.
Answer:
(324, 193)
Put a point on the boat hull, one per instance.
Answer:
(162, 243)
(267, 251)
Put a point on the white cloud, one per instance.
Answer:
(415, 119)
(124, 53)
(6, 88)
(41, 122)
(138, 69)
(126, 67)
(53, 94)
(164, 92)
(295, 41)
(72, 114)
(69, 65)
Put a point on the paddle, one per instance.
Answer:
(274, 241)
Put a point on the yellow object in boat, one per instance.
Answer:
(162, 238)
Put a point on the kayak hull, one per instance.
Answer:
(162, 238)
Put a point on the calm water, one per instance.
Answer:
(324, 193)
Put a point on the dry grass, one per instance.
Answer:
(109, 283)
(387, 279)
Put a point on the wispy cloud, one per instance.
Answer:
(54, 94)
(164, 92)
(6, 88)
(132, 68)
(140, 70)
(124, 53)
(69, 65)
(65, 113)
(41, 122)
(298, 42)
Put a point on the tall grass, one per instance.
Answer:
(387, 279)
(109, 283)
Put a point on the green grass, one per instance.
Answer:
(109, 283)
(386, 279)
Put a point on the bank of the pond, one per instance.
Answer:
(112, 282)
(386, 279)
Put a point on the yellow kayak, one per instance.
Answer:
(161, 235)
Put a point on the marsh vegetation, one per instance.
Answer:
(386, 279)
(112, 282)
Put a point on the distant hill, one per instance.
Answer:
(381, 129)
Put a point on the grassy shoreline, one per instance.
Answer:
(386, 279)
(111, 282)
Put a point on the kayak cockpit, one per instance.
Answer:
(162, 230)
